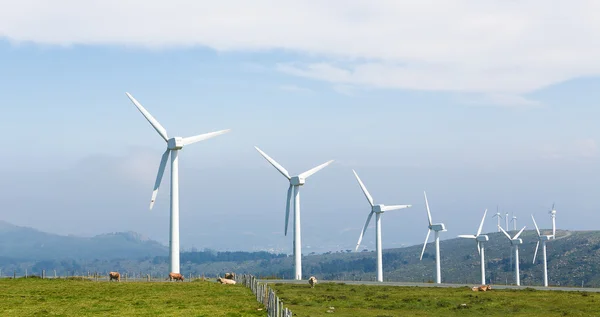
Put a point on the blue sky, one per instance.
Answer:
(475, 122)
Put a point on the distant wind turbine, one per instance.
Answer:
(174, 145)
(378, 210)
(515, 242)
(498, 216)
(553, 215)
(480, 239)
(437, 227)
(543, 239)
(514, 221)
(295, 183)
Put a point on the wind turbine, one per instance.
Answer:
(437, 227)
(295, 183)
(543, 239)
(506, 220)
(553, 215)
(377, 210)
(499, 216)
(174, 145)
(514, 242)
(514, 221)
(480, 239)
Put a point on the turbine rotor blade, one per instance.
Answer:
(313, 170)
(364, 189)
(280, 168)
(467, 236)
(287, 207)
(161, 171)
(519, 233)
(536, 250)
(202, 137)
(425, 244)
(362, 233)
(481, 224)
(506, 234)
(478, 248)
(427, 205)
(159, 128)
(536, 226)
(394, 207)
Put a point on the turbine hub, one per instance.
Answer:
(377, 209)
(516, 241)
(483, 238)
(297, 181)
(438, 227)
(175, 143)
(545, 238)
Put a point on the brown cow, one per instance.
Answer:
(230, 276)
(312, 281)
(114, 276)
(481, 288)
(175, 276)
(225, 281)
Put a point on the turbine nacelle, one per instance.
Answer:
(175, 143)
(297, 181)
(545, 238)
(516, 241)
(378, 209)
(438, 227)
(482, 238)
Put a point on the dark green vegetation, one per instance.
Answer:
(372, 301)
(36, 297)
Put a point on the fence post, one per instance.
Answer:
(43, 274)
(25, 273)
(15, 274)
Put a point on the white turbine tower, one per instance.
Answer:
(553, 215)
(515, 242)
(499, 216)
(514, 221)
(437, 227)
(480, 239)
(543, 239)
(377, 210)
(506, 220)
(295, 183)
(173, 146)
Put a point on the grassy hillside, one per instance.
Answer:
(33, 297)
(328, 299)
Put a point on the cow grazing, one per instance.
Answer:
(114, 276)
(312, 281)
(225, 281)
(481, 288)
(230, 276)
(175, 276)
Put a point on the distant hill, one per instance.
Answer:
(27, 244)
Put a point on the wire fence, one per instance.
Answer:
(265, 295)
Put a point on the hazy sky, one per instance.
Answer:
(481, 103)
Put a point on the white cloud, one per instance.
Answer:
(499, 99)
(295, 88)
(580, 148)
(498, 47)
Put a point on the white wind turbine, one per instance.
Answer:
(377, 210)
(437, 227)
(543, 239)
(499, 216)
(295, 183)
(506, 220)
(553, 215)
(480, 239)
(515, 242)
(173, 146)
(514, 221)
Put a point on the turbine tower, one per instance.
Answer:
(437, 227)
(543, 239)
(377, 210)
(499, 216)
(515, 242)
(553, 215)
(174, 145)
(480, 239)
(506, 220)
(295, 183)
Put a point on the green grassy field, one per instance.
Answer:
(37, 297)
(380, 301)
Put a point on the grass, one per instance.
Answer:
(380, 301)
(37, 297)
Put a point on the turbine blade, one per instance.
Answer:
(478, 248)
(519, 233)
(427, 205)
(287, 207)
(425, 244)
(481, 224)
(275, 164)
(506, 234)
(536, 250)
(364, 189)
(536, 226)
(467, 236)
(161, 171)
(395, 207)
(159, 128)
(362, 233)
(202, 137)
(314, 170)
